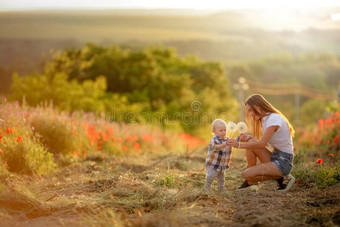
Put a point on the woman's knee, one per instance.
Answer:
(247, 174)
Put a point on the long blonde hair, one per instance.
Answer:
(260, 101)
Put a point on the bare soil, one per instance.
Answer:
(159, 190)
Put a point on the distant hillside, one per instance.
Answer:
(26, 38)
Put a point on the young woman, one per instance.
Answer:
(277, 134)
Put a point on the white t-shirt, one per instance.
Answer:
(281, 139)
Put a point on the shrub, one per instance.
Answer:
(56, 135)
(323, 143)
(23, 154)
(327, 175)
(322, 174)
(21, 151)
(329, 134)
(324, 138)
(3, 168)
(31, 136)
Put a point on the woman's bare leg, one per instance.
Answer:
(251, 158)
(262, 172)
(262, 153)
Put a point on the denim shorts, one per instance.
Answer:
(283, 161)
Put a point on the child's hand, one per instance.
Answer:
(232, 143)
(223, 145)
(217, 147)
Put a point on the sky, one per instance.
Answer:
(164, 4)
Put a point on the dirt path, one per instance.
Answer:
(159, 191)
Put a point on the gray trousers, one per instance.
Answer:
(211, 175)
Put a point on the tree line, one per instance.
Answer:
(121, 81)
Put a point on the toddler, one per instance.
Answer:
(219, 154)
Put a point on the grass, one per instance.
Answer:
(154, 190)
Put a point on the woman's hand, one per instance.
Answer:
(245, 137)
(232, 143)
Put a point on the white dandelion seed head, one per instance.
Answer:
(242, 127)
(231, 126)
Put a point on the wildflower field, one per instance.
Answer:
(76, 169)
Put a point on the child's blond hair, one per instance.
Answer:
(215, 123)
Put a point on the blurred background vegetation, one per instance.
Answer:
(122, 62)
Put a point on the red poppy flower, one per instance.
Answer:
(1, 151)
(299, 181)
(9, 130)
(111, 167)
(331, 155)
(136, 146)
(320, 161)
(321, 122)
(19, 139)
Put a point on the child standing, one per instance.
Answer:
(219, 153)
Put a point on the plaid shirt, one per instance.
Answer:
(218, 159)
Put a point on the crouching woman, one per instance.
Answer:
(271, 129)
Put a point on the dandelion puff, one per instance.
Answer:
(242, 127)
(231, 127)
